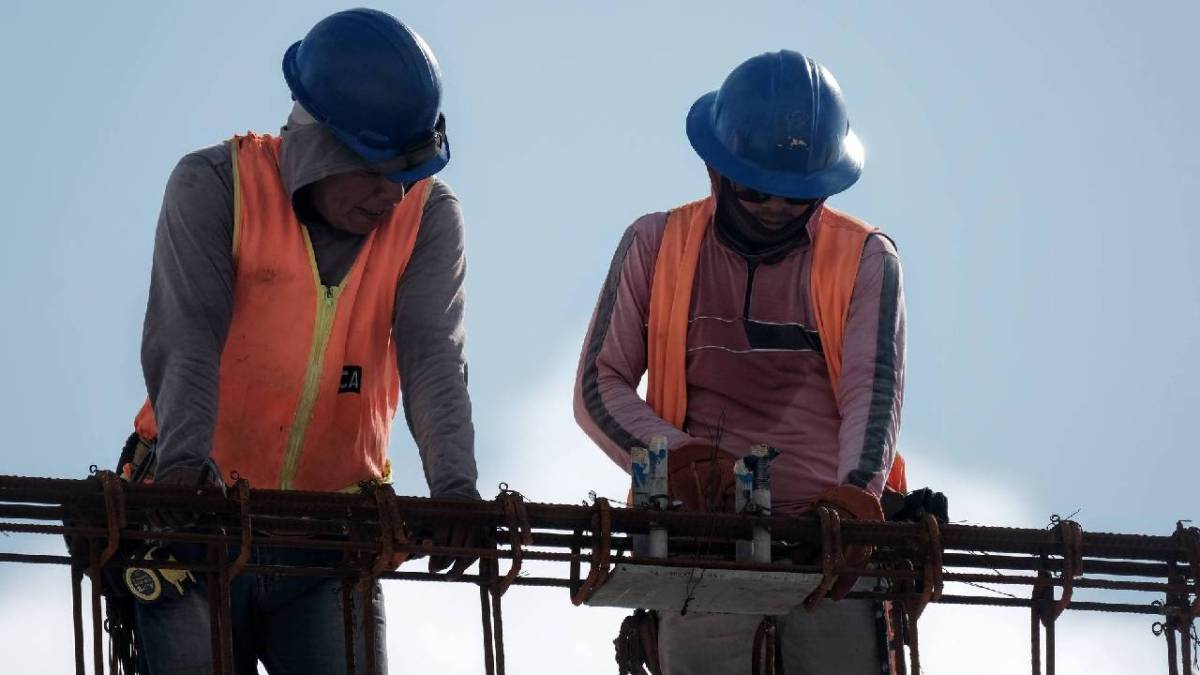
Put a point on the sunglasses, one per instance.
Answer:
(753, 196)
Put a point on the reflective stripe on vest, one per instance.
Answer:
(288, 417)
(838, 243)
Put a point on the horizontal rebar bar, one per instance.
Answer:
(350, 523)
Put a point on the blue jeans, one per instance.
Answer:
(293, 624)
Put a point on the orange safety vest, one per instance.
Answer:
(837, 249)
(308, 383)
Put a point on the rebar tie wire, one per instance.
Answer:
(520, 533)
(600, 553)
(831, 554)
(1070, 535)
(114, 508)
(931, 578)
(241, 494)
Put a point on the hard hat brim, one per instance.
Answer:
(796, 184)
(421, 171)
(369, 154)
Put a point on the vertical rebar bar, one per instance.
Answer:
(1035, 639)
(214, 624)
(97, 621)
(1185, 644)
(485, 613)
(1050, 647)
(219, 632)
(1042, 606)
(498, 629)
(225, 612)
(898, 619)
(914, 646)
(77, 616)
(1172, 653)
(574, 567)
(224, 592)
(1173, 621)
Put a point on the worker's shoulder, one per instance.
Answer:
(218, 157)
(646, 232)
(441, 210)
(878, 242)
(207, 167)
(441, 219)
(440, 194)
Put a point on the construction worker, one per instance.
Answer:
(764, 316)
(297, 282)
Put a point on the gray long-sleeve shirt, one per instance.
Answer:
(191, 305)
(755, 372)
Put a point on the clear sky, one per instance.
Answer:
(1035, 162)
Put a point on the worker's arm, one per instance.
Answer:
(190, 308)
(429, 335)
(871, 387)
(607, 404)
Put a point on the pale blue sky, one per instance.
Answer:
(1035, 163)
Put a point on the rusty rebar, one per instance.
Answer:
(831, 554)
(519, 532)
(95, 581)
(241, 493)
(114, 511)
(1172, 653)
(1185, 645)
(1035, 640)
(693, 562)
(1050, 648)
(914, 645)
(216, 624)
(1189, 539)
(1042, 618)
(498, 628)
(77, 616)
(485, 612)
(84, 494)
(102, 512)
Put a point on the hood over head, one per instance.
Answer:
(311, 152)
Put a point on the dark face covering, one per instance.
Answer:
(745, 234)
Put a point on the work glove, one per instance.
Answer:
(166, 518)
(701, 477)
(851, 503)
(913, 506)
(458, 535)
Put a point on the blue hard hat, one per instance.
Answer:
(778, 124)
(376, 85)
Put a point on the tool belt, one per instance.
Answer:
(121, 588)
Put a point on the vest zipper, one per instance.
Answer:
(326, 310)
